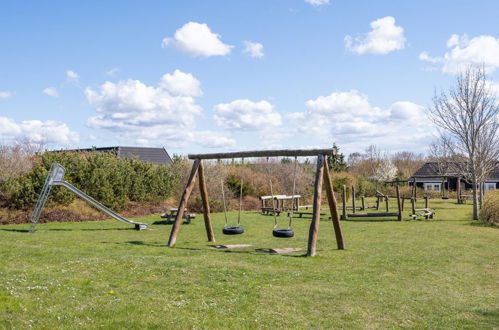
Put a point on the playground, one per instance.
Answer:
(439, 273)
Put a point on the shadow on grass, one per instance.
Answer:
(371, 220)
(169, 222)
(16, 230)
(88, 229)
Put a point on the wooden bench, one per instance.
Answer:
(172, 214)
(269, 210)
(302, 213)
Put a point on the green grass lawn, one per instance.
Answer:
(442, 273)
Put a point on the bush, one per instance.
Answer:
(110, 180)
(490, 211)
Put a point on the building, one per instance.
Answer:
(433, 176)
(145, 154)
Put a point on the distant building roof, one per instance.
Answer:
(434, 169)
(145, 154)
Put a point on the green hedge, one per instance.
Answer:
(111, 180)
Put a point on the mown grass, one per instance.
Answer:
(441, 273)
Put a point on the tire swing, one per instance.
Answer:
(235, 230)
(284, 232)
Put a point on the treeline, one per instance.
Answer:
(111, 180)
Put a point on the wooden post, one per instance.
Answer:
(399, 204)
(335, 217)
(426, 206)
(403, 202)
(386, 203)
(353, 199)
(183, 203)
(206, 204)
(415, 194)
(377, 202)
(363, 201)
(459, 190)
(344, 199)
(316, 212)
(413, 204)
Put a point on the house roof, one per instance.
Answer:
(145, 154)
(434, 169)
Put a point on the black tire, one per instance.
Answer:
(284, 233)
(233, 230)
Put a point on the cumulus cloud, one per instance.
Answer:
(384, 38)
(181, 83)
(6, 94)
(348, 115)
(163, 113)
(247, 115)
(72, 77)
(37, 131)
(253, 49)
(196, 39)
(317, 3)
(51, 91)
(463, 52)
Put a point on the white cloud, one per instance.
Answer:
(37, 131)
(181, 83)
(72, 77)
(212, 139)
(135, 110)
(196, 39)
(424, 56)
(347, 116)
(481, 50)
(51, 91)
(406, 111)
(254, 49)
(6, 94)
(247, 115)
(317, 2)
(384, 38)
(112, 72)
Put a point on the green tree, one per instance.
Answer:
(337, 162)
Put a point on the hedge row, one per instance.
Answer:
(111, 180)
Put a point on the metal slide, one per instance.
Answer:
(55, 177)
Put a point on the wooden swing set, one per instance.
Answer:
(322, 175)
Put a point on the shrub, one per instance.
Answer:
(110, 180)
(490, 211)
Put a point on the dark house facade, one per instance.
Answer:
(152, 155)
(433, 176)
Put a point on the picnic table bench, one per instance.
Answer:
(170, 216)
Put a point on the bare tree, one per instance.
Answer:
(442, 154)
(407, 162)
(469, 115)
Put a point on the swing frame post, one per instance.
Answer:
(198, 170)
(353, 198)
(316, 216)
(183, 203)
(203, 190)
(335, 216)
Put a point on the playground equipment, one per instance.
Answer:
(55, 177)
(426, 212)
(235, 230)
(354, 213)
(322, 174)
(280, 201)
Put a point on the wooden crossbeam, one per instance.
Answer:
(265, 153)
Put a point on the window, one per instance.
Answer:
(490, 186)
(432, 187)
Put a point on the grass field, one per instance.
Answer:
(442, 273)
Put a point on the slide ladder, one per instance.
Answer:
(55, 177)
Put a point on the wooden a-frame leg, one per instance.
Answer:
(335, 216)
(316, 213)
(206, 204)
(183, 203)
(399, 204)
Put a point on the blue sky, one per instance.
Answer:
(202, 76)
